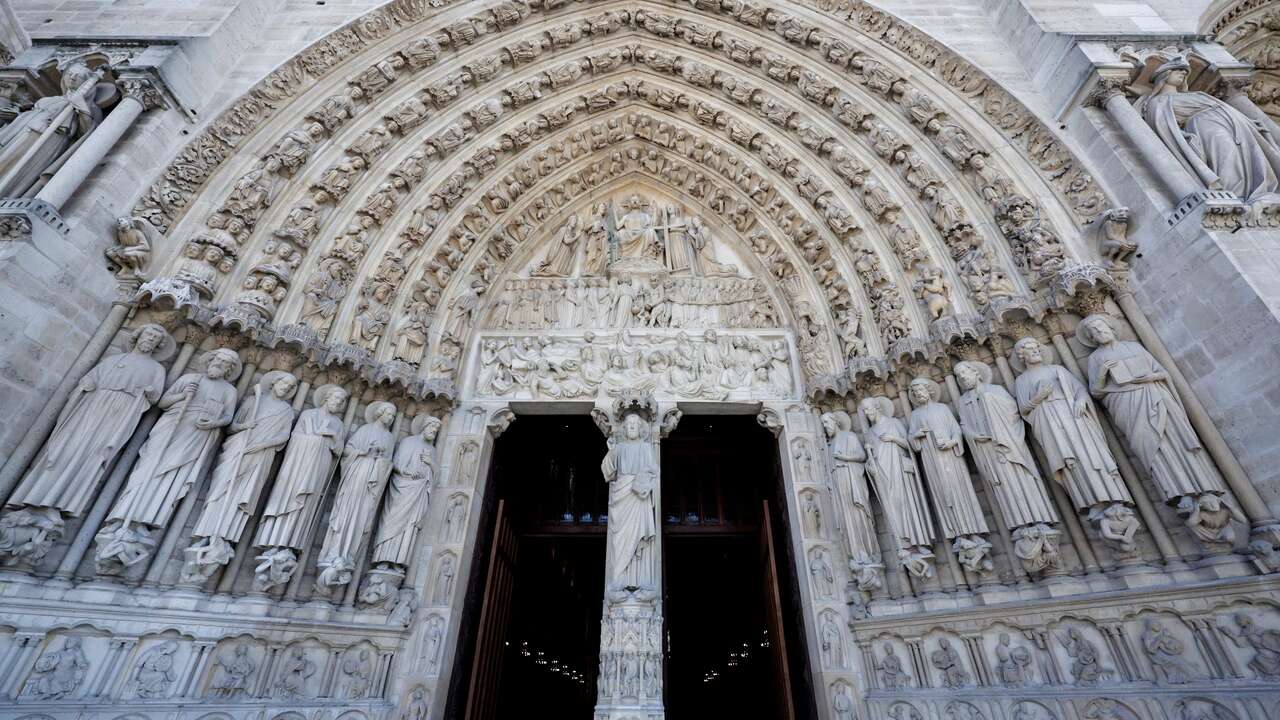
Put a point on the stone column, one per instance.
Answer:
(139, 95)
(630, 681)
(1110, 96)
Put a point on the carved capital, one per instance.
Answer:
(143, 89)
(500, 420)
(1106, 87)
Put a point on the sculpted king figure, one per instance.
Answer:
(897, 483)
(936, 435)
(259, 430)
(631, 469)
(96, 422)
(989, 418)
(1063, 418)
(28, 148)
(171, 461)
(309, 463)
(1137, 393)
(849, 478)
(366, 465)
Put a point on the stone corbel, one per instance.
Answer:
(770, 420)
(500, 420)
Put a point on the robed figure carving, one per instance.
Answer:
(1220, 146)
(309, 462)
(631, 469)
(936, 435)
(260, 428)
(1064, 421)
(181, 445)
(990, 421)
(563, 251)
(1136, 391)
(366, 466)
(637, 237)
(39, 140)
(848, 475)
(96, 422)
(897, 483)
(408, 494)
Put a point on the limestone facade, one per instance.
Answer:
(999, 277)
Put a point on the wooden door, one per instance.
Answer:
(495, 615)
(777, 650)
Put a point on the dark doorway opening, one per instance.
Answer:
(531, 639)
(733, 642)
(531, 627)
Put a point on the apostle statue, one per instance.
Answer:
(39, 140)
(936, 435)
(405, 506)
(1064, 421)
(849, 478)
(897, 483)
(631, 469)
(563, 251)
(990, 421)
(1217, 144)
(96, 422)
(259, 430)
(366, 466)
(1136, 391)
(172, 460)
(309, 463)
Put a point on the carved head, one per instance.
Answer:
(1097, 330)
(332, 398)
(426, 426)
(75, 75)
(970, 374)
(633, 427)
(875, 408)
(223, 363)
(280, 383)
(924, 391)
(383, 413)
(1029, 351)
(149, 338)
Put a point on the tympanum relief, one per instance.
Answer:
(635, 300)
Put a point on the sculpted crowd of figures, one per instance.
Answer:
(918, 471)
(201, 428)
(631, 302)
(711, 366)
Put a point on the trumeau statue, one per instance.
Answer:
(850, 482)
(96, 422)
(28, 150)
(1137, 393)
(630, 468)
(309, 463)
(366, 466)
(990, 421)
(897, 483)
(936, 435)
(259, 430)
(172, 460)
(1220, 146)
(1064, 421)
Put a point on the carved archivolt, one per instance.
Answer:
(1250, 30)
(352, 212)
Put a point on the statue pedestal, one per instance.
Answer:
(630, 681)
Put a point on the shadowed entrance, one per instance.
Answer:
(732, 643)
(531, 638)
